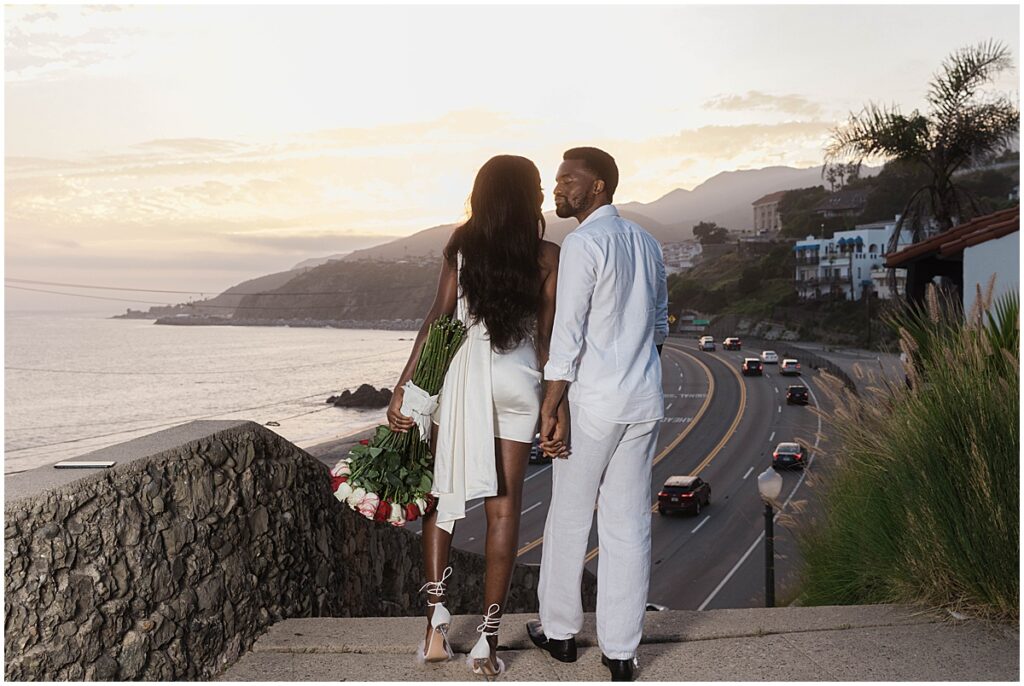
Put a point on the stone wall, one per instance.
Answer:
(169, 565)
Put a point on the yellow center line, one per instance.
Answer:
(721, 444)
(669, 448)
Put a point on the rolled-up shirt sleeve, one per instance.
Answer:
(577, 275)
(661, 303)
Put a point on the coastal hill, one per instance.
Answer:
(396, 280)
(724, 199)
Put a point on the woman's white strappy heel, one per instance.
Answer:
(480, 658)
(437, 650)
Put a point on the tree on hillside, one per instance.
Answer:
(710, 233)
(962, 126)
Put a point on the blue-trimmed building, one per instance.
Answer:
(847, 265)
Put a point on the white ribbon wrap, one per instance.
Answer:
(419, 405)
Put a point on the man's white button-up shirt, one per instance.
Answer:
(610, 313)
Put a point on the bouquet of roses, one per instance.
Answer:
(388, 477)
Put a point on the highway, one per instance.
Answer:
(722, 426)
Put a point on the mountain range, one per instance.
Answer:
(725, 199)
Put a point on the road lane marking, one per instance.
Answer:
(669, 406)
(776, 389)
(531, 507)
(771, 437)
(539, 471)
(780, 409)
(748, 472)
(803, 475)
(703, 522)
(678, 439)
(529, 546)
(680, 387)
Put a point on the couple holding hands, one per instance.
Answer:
(568, 339)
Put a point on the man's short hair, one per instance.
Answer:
(599, 163)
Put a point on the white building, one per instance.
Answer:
(681, 255)
(848, 263)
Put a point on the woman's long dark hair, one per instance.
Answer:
(500, 246)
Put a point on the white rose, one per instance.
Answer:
(343, 492)
(396, 518)
(341, 469)
(422, 504)
(356, 497)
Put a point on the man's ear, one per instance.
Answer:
(598, 186)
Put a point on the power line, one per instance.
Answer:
(401, 299)
(102, 372)
(150, 290)
(80, 295)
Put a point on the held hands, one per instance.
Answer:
(554, 431)
(396, 420)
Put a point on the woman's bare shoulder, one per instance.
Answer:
(549, 254)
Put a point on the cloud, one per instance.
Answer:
(312, 243)
(192, 145)
(727, 142)
(758, 101)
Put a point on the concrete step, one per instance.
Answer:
(879, 642)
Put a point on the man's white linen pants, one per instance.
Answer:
(610, 463)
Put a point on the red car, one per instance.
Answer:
(684, 494)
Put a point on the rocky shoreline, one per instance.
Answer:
(379, 324)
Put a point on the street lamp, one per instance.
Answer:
(769, 484)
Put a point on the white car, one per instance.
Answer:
(789, 367)
(706, 343)
(770, 357)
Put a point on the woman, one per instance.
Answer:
(498, 276)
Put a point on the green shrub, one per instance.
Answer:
(922, 500)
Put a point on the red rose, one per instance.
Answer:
(431, 502)
(337, 481)
(383, 512)
(411, 512)
(365, 441)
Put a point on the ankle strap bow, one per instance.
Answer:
(491, 623)
(436, 588)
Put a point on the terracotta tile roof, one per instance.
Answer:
(953, 241)
(771, 197)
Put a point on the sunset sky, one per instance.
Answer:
(194, 147)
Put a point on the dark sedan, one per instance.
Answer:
(798, 395)
(789, 456)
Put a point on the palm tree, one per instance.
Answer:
(962, 126)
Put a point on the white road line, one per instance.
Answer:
(479, 504)
(780, 408)
(748, 472)
(539, 471)
(471, 538)
(803, 475)
(669, 406)
(771, 437)
(776, 389)
(680, 387)
(531, 507)
(702, 523)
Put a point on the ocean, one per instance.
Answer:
(75, 383)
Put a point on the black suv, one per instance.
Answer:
(752, 367)
(684, 494)
(797, 395)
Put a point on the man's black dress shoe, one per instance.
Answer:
(622, 670)
(563, 650)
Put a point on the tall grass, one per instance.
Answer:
(921, 501)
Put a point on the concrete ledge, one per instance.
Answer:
(853, 643)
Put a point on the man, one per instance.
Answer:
(611, 318)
